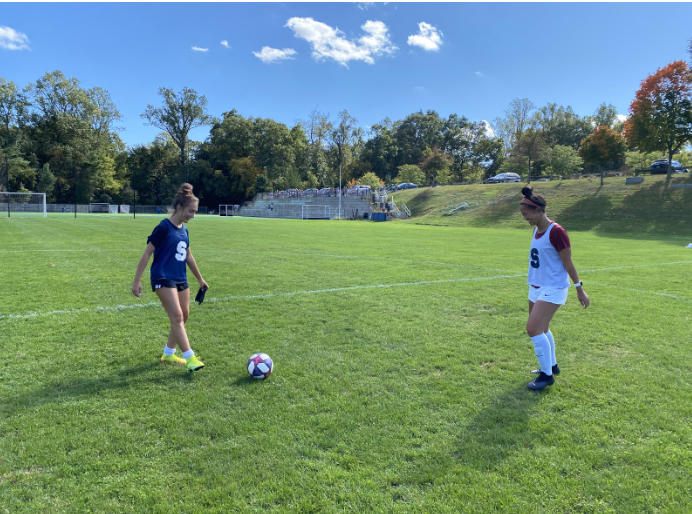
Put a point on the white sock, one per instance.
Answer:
(188, 354)
(168, 351)
(549, 335)
(542, 347)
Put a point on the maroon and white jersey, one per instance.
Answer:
(545, 266)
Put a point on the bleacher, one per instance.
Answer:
(293, 207)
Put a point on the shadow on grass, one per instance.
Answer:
(653, 211)
(61, 390)
(499, 430)
(589, 213)
(248, 381)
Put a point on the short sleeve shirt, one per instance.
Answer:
(170, 251)
(558, 238)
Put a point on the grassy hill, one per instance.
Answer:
(651, 208)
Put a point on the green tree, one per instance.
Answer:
(463, 141)
(661, 113)
(604, 148)
(560, 126)
(155, 170)
(607, 116)
(518, 118)
(638, 161)
(562, 160)
(180, 113)
(243, 177)
(410, 173)
(370, 179)
(317, 131)
(73, 130)
(530, 144)
(341, 138)
(417, 132)
(434, 162)
(381, 149)
(487, 156)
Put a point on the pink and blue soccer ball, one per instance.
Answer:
(260, 365)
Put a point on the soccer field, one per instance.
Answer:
(401, 364)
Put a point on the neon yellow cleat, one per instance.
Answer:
(172, 359)
(194, 364)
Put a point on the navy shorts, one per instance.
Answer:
(164, 282)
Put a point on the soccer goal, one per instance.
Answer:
(226, 210)
(23, 205)
(315, 212)
(101, 208)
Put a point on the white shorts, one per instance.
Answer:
(556, 295)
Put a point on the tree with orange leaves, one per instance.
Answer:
(605, 147)
(661, 113)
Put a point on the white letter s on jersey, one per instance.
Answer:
(181, 253)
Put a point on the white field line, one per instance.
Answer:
(637, 266)
(642, 291)
(402, 284)
(258, 296)
(235, 252)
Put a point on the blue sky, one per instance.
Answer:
(282, 60)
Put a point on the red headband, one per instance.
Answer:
(529, 202)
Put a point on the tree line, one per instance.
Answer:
(61, 139)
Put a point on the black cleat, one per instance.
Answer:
(541, 382)
(556, 370)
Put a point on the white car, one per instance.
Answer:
(504, 177)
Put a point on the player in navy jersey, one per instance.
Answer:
(550, 268)
(170, 244)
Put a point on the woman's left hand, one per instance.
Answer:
(203, 284)
(583, 297)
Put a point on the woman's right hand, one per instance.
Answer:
(137, 288)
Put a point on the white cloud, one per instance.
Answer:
(419, 88)
(10, 39)
(331, 43)
(198, 49)
(269, 55)
(488, 129)
(622, 118)
(364, 6)
(225, 43)
(428, 37)
(479, 73)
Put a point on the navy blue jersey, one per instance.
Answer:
(170, 251)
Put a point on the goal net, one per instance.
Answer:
(315, 212)
(228, 210)
(101, 207)
(23, 205)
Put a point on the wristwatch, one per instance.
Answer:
(579, 284)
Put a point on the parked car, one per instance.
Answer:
(325, 191)
(406, 185)
(662, 166)
(310, 192)
(504, 177)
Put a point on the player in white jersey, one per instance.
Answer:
(550, 268)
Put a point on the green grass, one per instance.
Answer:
(647, 209)
(400, 380)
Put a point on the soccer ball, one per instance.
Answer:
(260, 365)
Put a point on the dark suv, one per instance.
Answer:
(662, 166)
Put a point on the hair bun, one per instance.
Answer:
(185, 190)
(527, 191)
